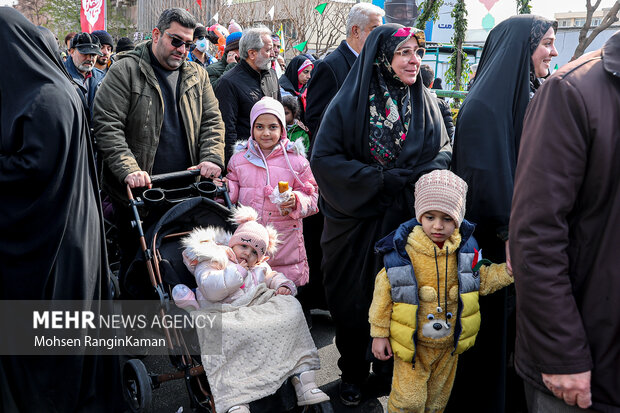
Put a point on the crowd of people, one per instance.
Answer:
(383, 204)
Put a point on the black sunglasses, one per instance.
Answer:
(176, 42)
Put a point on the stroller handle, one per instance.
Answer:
(157, 179)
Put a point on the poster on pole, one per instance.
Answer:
(403, 12)
(92, 15)
(406, 12)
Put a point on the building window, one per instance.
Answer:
(563, 23)
(596, 22)
(580, 22)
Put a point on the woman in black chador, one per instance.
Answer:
(378, 135)
(515, 59)
(51, 232)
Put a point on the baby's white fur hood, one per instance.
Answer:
(207, 244)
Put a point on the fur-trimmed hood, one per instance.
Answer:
(208, 244)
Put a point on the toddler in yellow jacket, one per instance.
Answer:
(425, 305)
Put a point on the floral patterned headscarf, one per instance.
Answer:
(389, 102)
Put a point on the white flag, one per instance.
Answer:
(216, 16)
(271, 12)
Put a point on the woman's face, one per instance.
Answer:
(304, 75)
(407, 60)
(544, 53)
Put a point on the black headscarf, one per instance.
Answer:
(51, 232)
(490, 121)
(290, 79)
(390, 106)
(342, 150)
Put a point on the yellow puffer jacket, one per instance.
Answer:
(412, 306)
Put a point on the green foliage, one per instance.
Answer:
(460, 28)
(430, 11)
(523, 6)
(118, 23)
(64, 17)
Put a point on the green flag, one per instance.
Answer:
(321, 8)
(300, 46)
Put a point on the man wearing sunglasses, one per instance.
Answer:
(157, 113)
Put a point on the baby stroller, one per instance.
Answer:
(185, 208)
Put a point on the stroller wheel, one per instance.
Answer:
(324, 407)
(137, 388)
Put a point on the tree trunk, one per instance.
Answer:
(459, 65)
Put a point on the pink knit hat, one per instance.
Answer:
(441, 190)
(272, 106)
(262, 239)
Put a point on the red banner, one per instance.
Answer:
(92, 15)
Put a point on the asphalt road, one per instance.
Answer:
(172, 397)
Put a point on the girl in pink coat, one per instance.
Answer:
(254, 171)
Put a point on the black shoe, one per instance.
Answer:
(350, 394)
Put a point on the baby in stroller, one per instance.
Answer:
(230, 268)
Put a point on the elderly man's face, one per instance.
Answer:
(83, 62)
(374, 21)
(262, 58)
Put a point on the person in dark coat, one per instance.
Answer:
(81, 67)
(428, 76)
(295, 80)
(245, 84)
(486, 144)
(327, 78)
(229, 59)
(564, 238)
(379, 134)
(329, 73)
(51, 229)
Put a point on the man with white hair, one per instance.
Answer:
(245, 84)
(328, 75)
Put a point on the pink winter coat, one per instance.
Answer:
(250, 182)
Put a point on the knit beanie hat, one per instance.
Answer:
(232, 42)
(441, 190)
(124, 44)
(200, 31)
(104, 37)
(263, 239)
(233, 27)
(269, 105)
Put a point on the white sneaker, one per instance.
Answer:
(242, 408)
(306, 389)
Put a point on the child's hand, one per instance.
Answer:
(243, 264)
(283, 291)
(290, 203)
(381, 348)
(220, 181)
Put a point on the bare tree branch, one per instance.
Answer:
(584, 39)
